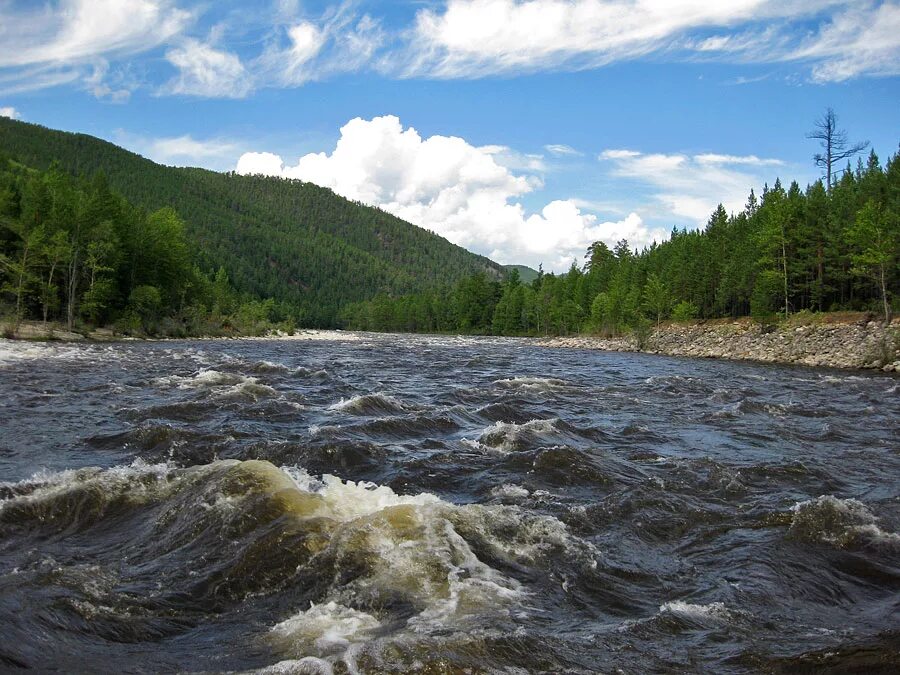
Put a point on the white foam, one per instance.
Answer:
(715, 612)
(504, 436)
(308, 665)
(270, 367)
(417, 547)
(329, 627)
(363, 402)
(226, 384)
(532, 383)
(250, 388)
(348, 500)
(839, 522)
(421, 547)
(13, 350)
(206, 377)
(509, 491)
(46, 484)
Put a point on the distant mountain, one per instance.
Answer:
(526, 274)
(293, 241)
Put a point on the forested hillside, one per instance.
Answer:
(789, 250)
(307, 248)
(526, 274)
(74, 251)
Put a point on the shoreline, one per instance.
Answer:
(862, 345)
(847, 345)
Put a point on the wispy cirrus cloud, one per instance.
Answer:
(561, 150)
(858, 39)
(295, 50)
(216, 153)
(838, 39)
(56, 43)
(687, 188)
(282, 46)
(72, 30)
(471, 38)
(206, 71)
(864, 40)
(302, 50)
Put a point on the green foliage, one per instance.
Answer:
(73, 250)
(641, 328)
(790, 251)
(309, 249)
(657, 299)
(89, 228)
(145, 302)
(684, 311)
(876, 243)
(764, 300)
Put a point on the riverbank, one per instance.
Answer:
(38, 330)
(57, 332)
(861, 344)
(847, 341)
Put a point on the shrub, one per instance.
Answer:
(685, 311)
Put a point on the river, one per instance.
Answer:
(370, 503)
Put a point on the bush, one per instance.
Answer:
(145, 302)
(128, 324)
(805, 317)
(642, 329)
(764, 299)
(685, 311)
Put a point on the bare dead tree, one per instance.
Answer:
(835, 144)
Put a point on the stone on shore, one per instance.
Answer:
(862, 344)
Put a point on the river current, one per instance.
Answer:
(369, 503)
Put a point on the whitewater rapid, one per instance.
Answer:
(416, 504)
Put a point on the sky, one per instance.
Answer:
(522, 130)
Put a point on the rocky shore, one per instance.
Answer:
(865, 344)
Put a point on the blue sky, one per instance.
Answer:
(521, 130)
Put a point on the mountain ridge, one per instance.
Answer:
(293, 241)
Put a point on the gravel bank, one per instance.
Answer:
(864, 344)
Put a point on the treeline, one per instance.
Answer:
(298, 243)
(789, 250)
(74, 251)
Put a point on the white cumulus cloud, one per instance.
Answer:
(10, 112)
(458, 190)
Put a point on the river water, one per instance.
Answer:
(429, 504)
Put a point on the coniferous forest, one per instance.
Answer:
(71, 250)
(791, 249)
(306, 250)
(92, 234)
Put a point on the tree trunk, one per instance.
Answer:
(820, 281)
(46, 300)
(884, 298)
(828, 161)
(73, 289)
(787, 310)
(20, 288)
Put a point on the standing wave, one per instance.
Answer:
(366, 576)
